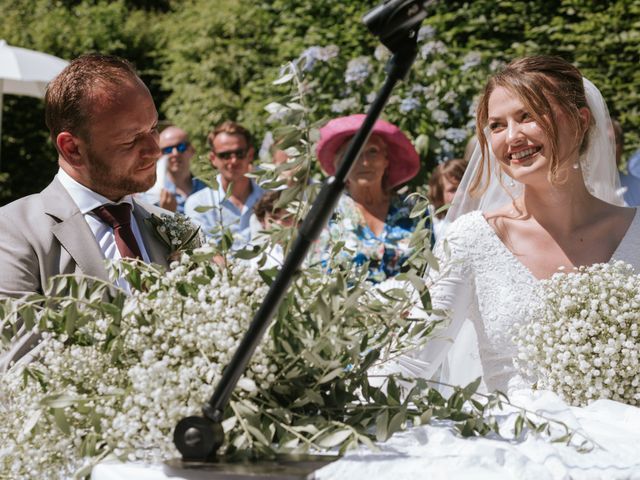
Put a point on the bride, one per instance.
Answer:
(539, 195)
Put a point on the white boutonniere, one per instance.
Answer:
(177, 232)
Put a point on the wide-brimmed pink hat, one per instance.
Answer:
(404, 162)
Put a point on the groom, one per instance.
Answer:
(103, 123)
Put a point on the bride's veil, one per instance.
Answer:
(598, 165)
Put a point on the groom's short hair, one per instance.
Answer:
(71, 94)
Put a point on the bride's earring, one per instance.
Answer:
(576, 165)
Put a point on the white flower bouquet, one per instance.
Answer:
(115, 373)
(584, 342)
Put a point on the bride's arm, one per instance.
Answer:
(452, 292)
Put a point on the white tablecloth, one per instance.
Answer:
(437, 452)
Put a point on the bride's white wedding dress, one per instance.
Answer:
(485, 282)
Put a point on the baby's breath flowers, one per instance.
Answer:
(585, 342)
(119, 379)
(177, 232)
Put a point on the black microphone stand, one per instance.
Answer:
(396, 22)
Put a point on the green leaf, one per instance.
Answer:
(268, 275)
(518, 426)
(331, 375)
(258, 435)
(283, 79)
(70, 319)
(393, 392)
(382, 426)
(31, 422)
(204, 208)
(425, 417)
(472, 388)
(397, 421)
(61, 420)
(335, 438)
(248, 253)
(61, 400)
(28, 316)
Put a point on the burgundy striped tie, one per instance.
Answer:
(118, 217)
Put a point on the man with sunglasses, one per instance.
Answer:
(175, 183)
(231, 204)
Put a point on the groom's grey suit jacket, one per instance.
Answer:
(45, 234)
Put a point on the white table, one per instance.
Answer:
(437, 452)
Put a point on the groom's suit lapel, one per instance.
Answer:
(158, 252)
(72, 231)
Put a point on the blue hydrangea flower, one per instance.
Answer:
(426, 32)
(358, 70)
(456, 135)
(381, 53)
(435, 67)
(470, 60)
(432, 48)
(450, 97)
(344, 105)
(315, 53)
(433, 104)
(496, 65)
(409, 103)
(440, 116)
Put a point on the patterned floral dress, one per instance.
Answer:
(385, 253)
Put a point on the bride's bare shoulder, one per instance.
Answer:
(503, 214)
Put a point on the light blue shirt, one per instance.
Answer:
(631, 181)
(224, 213)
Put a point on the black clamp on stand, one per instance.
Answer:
(198, 438)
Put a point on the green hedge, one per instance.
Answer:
(208, 60)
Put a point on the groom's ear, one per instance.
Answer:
(69, 147)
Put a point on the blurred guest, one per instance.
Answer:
(371, 218)
(630, 181)
(270, 217)
(268, 213)
(174, 181)
(443, 184)
(230, 205)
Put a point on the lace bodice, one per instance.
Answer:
(483, 281)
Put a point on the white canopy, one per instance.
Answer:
(26, 72)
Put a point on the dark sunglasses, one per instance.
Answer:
(181, 147)
(240, 154)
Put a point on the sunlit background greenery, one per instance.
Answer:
(210, 60)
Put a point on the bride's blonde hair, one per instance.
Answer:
(539, 82)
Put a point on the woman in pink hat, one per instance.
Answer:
(371, 218)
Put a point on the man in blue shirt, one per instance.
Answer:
(174, 183)
(630, 182)
(230, 205)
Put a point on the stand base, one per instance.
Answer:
(283, 467)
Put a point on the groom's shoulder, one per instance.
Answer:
(22, 210)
